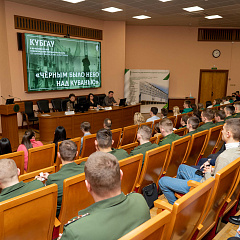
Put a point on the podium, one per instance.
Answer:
(10, 123)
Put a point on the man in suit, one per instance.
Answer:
(113, 214)
(143, 136)
(67, 153)
(104, 143)
(166, 128)
(207, 117)
(9, 183)
(231, 135)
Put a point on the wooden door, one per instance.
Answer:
(212, 85)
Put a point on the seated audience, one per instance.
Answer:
(219, 117)
(224, 101)
(85, 128)
(109, 100)
(92, 101)
(207, 117)
(231, 135)
(28, 141)
(187, 107)
(200, 106)
(157, 131)
(216, 102)
(113, 214)
(176, 111)
(230, 112)
(166, 128)
(183, 121)
(193, 106)
(164, 113)
(71, 103)
(5, 146)
(138, 118)
(192, 125)
(67, 153)
(208, 103)
(230, 99)
(107, 123)
(104, 143)
(9, 183)
(59, 135)
(153, 114)
(197, 114)
(237, 109)
(143, 136)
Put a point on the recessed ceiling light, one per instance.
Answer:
(74, 1)
(213, 17)
(165, 0)
(112, 9)
(141, 17)
(193, 9)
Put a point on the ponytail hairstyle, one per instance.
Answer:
(29, 134)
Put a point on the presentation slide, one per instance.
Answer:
(55, 63)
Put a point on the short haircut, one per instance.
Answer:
(166, 124)
(145, 132)
(104, 138)
(194, 121)
(154, 110)
(71, 95)
(233, 125)
(200, 106)
(208, 113)
(102, 171)
(218, 101)
(108, 122)
(230, 109)
(220, 113)
(8, 170)
(86, 126)
(185, 118)
(188, 102)
(164, 112)
(68, 150)
(110, 92)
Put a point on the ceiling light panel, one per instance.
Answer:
(112, 9)
(73, 1)
(193, 9)
(165, 0)
(141, 17)
(213, 17)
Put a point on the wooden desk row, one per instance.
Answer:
(120, 116)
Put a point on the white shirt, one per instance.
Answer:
(231, 145)
(152, 119)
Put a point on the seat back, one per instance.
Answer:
(213, 140)
(43, 106)
(172, 118)
(116, 135)
(88, 145)
(64, 104)
(153, 139)
(29, 108)
(188, 210)
(81, 99)
(224, 182)
(18, 158)
(75, 194)
(56, 103)
(153, 229)
(178, 120)
(181, 131)
(147, 124)
(28, 177)
(129, 134)
(129, 147)
(153, 166)
(40, 157)
(177, 155)
(159, 137)
(131, 168)
(101, 98)
(30, 215)
(197, 144)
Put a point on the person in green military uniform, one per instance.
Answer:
(67, 153)
(192, 125)
(219, 117)
(166, 128)
(104, 143)
(143, 136)
(9, 183)
(113, 214)
(237, 109)
(207, 117)
(230, 112)
(187, 107)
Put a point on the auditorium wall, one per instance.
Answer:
(177, 49)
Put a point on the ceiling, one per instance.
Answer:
(162, 14)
